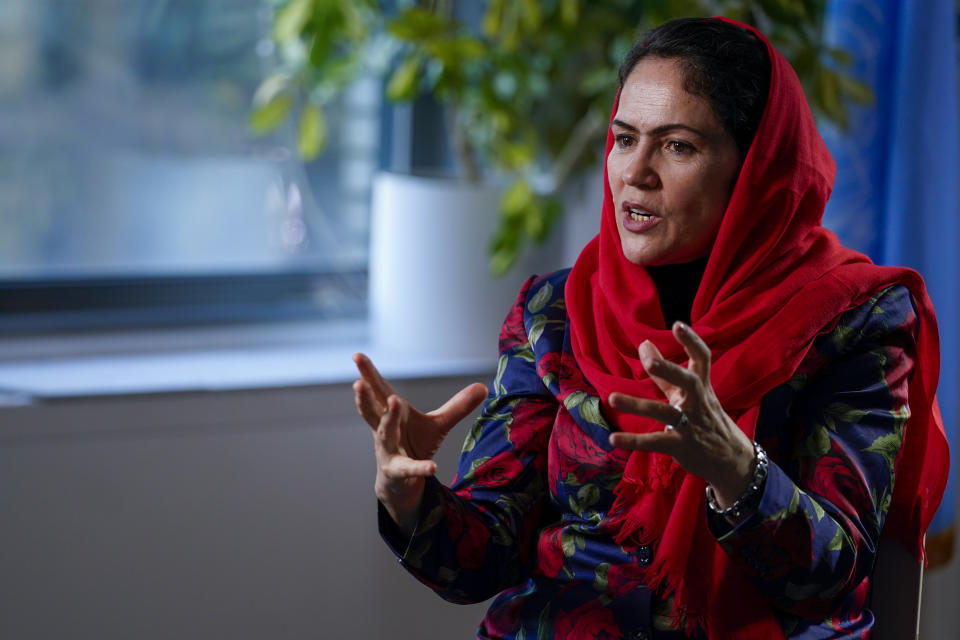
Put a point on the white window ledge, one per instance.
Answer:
(48, 368)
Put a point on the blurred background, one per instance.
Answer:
(198, 226)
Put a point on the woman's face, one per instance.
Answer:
(672, 167)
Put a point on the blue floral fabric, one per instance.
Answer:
(525, 518)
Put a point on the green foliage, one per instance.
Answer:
(528, 89)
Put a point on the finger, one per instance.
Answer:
(388, 430)
(659, 441)
(367, 406)
(659, 411)
(669, 376)
(696, 348)
(401, 467)
(461, 404)
(649, 357)
(381, 389)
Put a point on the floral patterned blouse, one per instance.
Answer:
(525, 518)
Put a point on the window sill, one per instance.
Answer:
(55, 368)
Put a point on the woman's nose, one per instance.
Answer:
(640, 172)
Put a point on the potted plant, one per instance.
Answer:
(526, 85)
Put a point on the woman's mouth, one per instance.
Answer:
(636, 219)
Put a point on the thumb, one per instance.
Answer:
(461, 404)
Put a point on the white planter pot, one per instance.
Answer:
(431, 291)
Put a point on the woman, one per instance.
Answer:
(696, 430)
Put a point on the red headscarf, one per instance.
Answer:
(774, 281)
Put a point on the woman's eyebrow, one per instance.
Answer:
(658, 130)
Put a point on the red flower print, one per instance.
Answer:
(454, 521)
(472, 545)
(577, 452)
(550, 553)
(498, 471)
(548, 363)
(592, 621)
(513, 333)
(623, 579)
(841, 482)
(571, 377)
(786, 545)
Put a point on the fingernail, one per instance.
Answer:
(644, 352)
(680, 326)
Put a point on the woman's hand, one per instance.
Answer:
(709, 444)
(405, 439)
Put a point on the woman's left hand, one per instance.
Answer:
(709, 444)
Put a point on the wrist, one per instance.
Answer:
(737, 474)
(403, 506)
(749, 497)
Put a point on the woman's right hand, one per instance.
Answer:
(405, 439)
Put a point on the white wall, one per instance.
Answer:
(223, 515)
(227, 515)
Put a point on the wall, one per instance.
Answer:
(240, 515)
(246, 515)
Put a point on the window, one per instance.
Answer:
(132, 190)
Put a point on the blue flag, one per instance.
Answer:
(896, 197)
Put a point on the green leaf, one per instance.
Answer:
(537, 326)
(600, 577)
(404, 83)
(884, 505)
(269, 116)
(543, 624)
(534, 221)
(501, 367)
(502, 259)
(590, 411)
(836, 544)
(841, 336)
(842, 56)
(828, 92)
(469, 48)
(540, 299)
(312, 137)
(549, 379)
(857, 91)
(598, 80)
(475, 465)
(447, 575)
(291, 20)
(846, 413)
(571, 542)
(532, 16)
(817, 443)
(516, 199)
(569, 12)
(587, 496)
(492, 18)
(272, 86)
(472, 437)
(574, 399)
(418, 25)
(818, 510)
(887, 446)
(524, 352)
(784, 11)
(798, 381)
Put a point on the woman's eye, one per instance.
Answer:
(623, 140)
(678, 146)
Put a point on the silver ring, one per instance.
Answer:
(682, 424)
